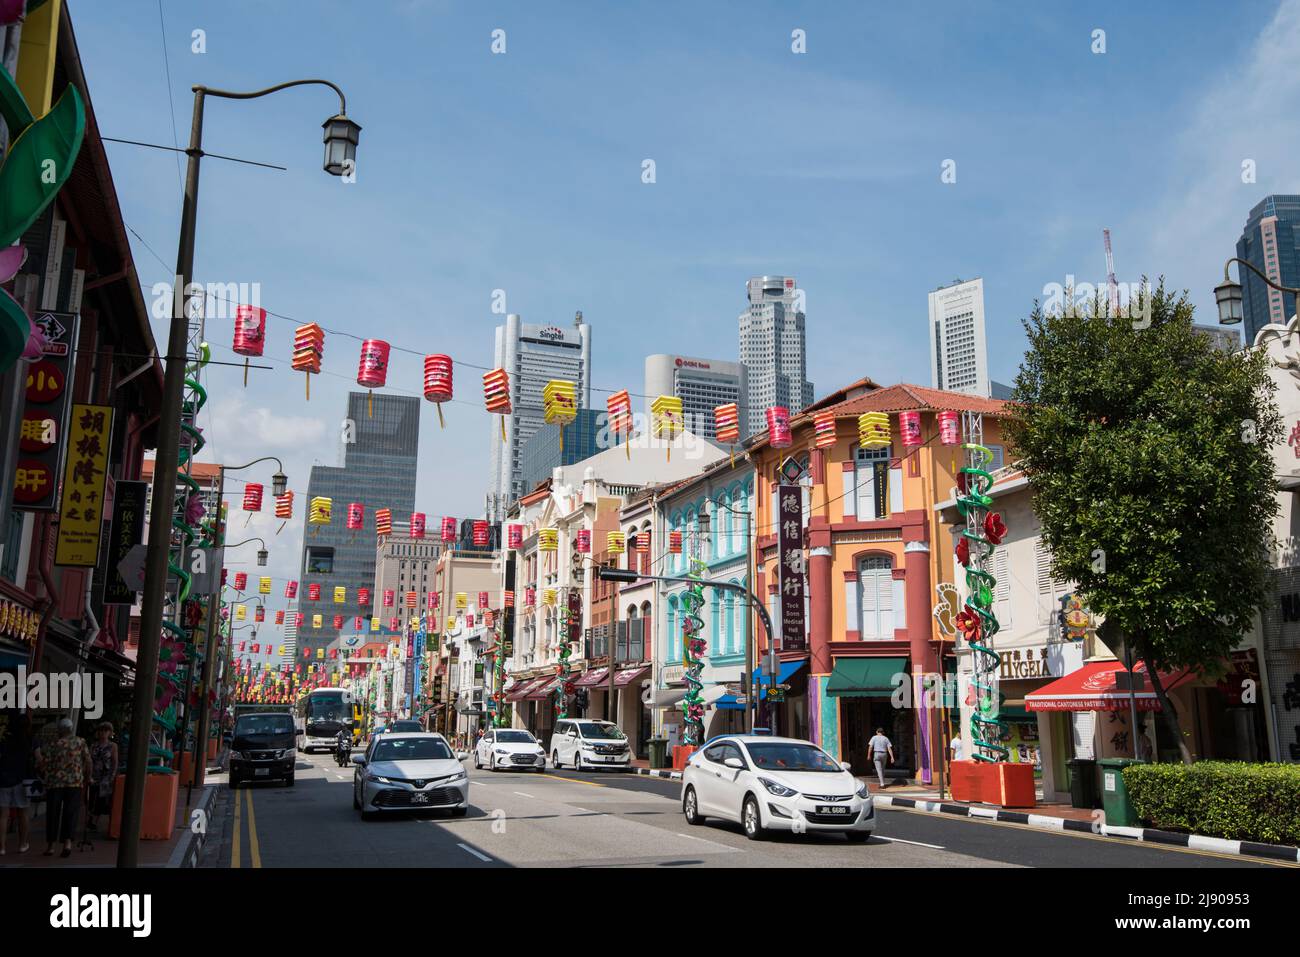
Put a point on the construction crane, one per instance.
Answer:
(1111, 285)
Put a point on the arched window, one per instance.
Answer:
(674, 653)
(876, 597)
(729, 622)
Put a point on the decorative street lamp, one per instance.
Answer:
(341, 136)
(1228, 293)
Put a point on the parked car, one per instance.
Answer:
(263, 747)
(780, 784)
(402, 772)
(509, 748)
(586, 743)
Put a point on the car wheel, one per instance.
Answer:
(555, 760)
(753, 823)
(492, 766)
(478, 765)
(356, 805)
(577, 760)
(288, 782)
(691, 807)
(858, 837)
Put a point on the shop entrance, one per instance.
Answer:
(859, 719)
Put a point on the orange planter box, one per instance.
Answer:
(681, 754)
(212, 749)
(1001, 783)
(159, 816)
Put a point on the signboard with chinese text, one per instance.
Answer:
(124, 534)
(81, 517)
(790, 558)
(45, 410)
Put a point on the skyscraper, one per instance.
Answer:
(959, 357)
(1271, 243)
(773, 350)
(378, 471)
(533, 355)
(701, 384)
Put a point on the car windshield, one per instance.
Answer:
(327, 708)
(791, 757)
(412, 749)
(406, 726)
(599, 729)
(251, 724)
(515, 737)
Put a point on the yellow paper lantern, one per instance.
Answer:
(319, 513)
(560, 401)
(616, 543)
(340, 594)
(462, 600)
(264, 585)
(316, 621)
(548, 596)
(548, 540)
(240, 613)
(873, 430)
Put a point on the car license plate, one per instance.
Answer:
(261, 772)
(833, 809)
(419, 798)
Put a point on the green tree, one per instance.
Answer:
(1148, 453)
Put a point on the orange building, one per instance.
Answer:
(873, 553)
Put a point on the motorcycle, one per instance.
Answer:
(343, 753)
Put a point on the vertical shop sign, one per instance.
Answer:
(41, 442)
(790, 556)
(81, 518)
(124, 534)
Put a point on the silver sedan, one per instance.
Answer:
(404, 772)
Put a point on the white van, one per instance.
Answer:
(587, 743)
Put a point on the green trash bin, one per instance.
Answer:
(1114, 795)
(658, 752)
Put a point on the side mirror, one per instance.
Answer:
(462, 755)
(298, 732)
(359, 759)
(846, 766)
(735, 764)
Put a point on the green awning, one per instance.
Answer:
(865, 677)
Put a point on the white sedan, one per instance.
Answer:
(510, 748)
(779, 784)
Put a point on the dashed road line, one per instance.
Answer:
(470, 850)
(899, 840)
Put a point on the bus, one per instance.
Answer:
(321, 713)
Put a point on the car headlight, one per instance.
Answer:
(376, 777)
(775, 787)
(236, 755)
(287, 752)
(864, 792)
(458, 776)
(502, 751)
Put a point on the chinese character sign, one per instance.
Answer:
(81, 517)
(790, 556)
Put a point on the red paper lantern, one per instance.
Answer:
(394, 624)
(431, 600)
(279, 617)
(438, 380)
(675, 543)
(778, 427)
(643, 542)
(313, 591)
(356, 515)
(508, 599)
(372, 371)
(338, 621)
(250, 330)
(909, 428)
(448, 529)
(469, 621)
(582, 541)
(417, 525)
(284, 505)
(480, 532)
(383, 522)
(514, 536)
(241, 581)
(290, 589)
(530, 597)
(363, 597)
(252, 497)
(482, 600)
(356, 623)
(412, 599)
(259, 613)
(297, 620)
(949, 427)
(389, 595)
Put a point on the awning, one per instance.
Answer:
(865, 677)
(783, 675)
(1093, 688)
(520, 690)
(542, 688)
(592, 678)
(628, 675)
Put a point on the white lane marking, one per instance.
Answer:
(899, 840)
(522, 794)
(481, 857)
(692, 837)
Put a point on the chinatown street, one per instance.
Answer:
(611, 819)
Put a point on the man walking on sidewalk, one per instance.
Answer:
(882, 750)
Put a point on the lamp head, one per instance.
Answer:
(341, 136)
(1228, 296)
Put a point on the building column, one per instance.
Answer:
(924, 661)
(823, 726)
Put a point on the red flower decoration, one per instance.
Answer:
(963, 551)
(994, 528)
(968, 623)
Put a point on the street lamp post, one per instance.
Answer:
(1227, 295)
(341, 135)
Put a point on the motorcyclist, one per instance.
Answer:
(343, 747)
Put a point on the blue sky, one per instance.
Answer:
(522, 172)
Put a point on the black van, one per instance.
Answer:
(263, 746)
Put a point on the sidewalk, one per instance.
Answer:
(180, 850)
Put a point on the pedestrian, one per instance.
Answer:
(104, 760)
(17, 767)
(66, 770)
(958, 747)
(882, 751)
